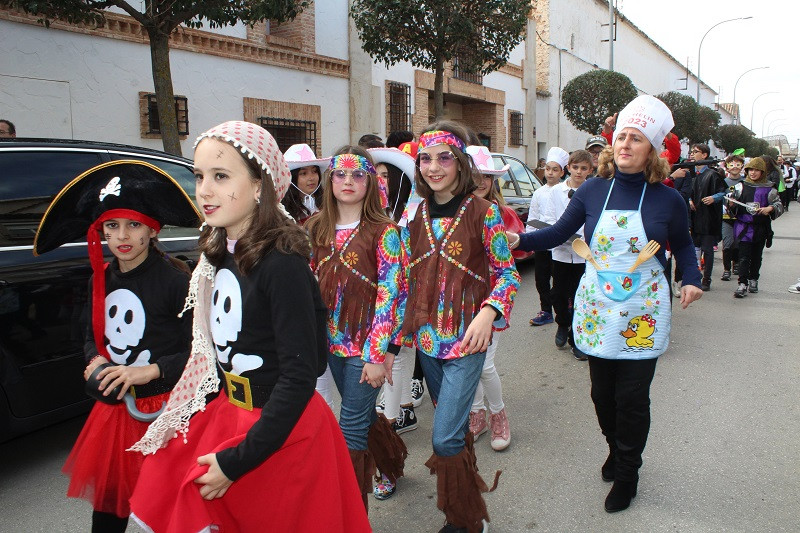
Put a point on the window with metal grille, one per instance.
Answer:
(289, 131)
(181, 114)
(399, 107)
(471, 77)
(515, 128)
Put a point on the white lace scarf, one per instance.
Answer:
(199, 378)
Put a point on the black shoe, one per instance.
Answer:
(608, 469)
(562, 333)
(753, 288)
(735, 269)
(706, 285)
(726, 276)
(407, 421)
(620, 496)
(450, 528)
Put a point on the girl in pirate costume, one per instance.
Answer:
(136, 345)
(358, 260)
(455, 243)
(253, 457)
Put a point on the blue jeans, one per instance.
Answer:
(451, 384)
(358, 400)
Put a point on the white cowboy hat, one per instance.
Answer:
(301, 155)
(393, 156)
(484, 161)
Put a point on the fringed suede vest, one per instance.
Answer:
(456, 267)
(353, 270)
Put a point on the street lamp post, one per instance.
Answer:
(701, 46)
(765, 117)
(753, 107)
(738, 115)
(774, 122)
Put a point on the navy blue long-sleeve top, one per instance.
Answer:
(664, 216)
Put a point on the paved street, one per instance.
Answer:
(723, 453)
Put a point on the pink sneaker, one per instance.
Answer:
(477, 423)
(501, 433)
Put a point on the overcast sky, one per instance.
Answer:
(770, 39)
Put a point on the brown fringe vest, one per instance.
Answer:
(354, 271)
(456, 266)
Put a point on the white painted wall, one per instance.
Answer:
(331, 20)
(64, 84)
(576, 29)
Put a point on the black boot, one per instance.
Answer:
(620, 496)
(608, 469)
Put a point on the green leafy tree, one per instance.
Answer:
(685, 112)
(757, 147)
(707, 124)
(430, 33)
(729, 137)
(160, 18)
(590, 98)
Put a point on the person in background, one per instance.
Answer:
(622, 310)
(540, 214)
(789, 178)
(705, 206)
(7, 129)
(753, 228)
(304, 196)
(397, 138)
(730, 252)
(370, 140)
(489, 384)
(594, 145)
(568, 267)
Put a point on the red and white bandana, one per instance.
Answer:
(258, 144)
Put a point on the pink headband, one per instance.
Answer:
(432, 138)
(352, 162)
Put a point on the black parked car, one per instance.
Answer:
(43, 299)
(516, 185)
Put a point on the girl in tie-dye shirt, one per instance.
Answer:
(358, 259)
(461, 283)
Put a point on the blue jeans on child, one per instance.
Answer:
(358, 400)
(451, 384)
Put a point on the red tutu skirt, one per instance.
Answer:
(307, 485)
(100, 469)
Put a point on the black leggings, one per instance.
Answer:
(621, 396)
(750, 255)
(542, 272)
(108, 523)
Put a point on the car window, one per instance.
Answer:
(504, 180)
(30, 181)
(520, 171)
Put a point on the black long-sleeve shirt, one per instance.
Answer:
(278, 327)
(142, 323)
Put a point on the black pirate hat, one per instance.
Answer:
(134, 186)
(120, 189)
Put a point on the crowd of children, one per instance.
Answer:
(348, 271)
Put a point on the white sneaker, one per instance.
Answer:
(795, 288)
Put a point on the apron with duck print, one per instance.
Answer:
(621, 315)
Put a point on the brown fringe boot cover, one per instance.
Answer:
(459, 487)
(387, 448)
(364, 466)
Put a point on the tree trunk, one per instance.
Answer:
(438, 89)
(165, 97)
